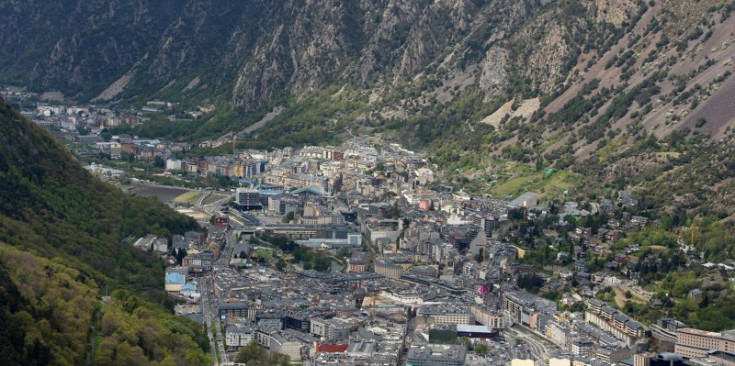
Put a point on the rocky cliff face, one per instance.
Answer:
(253, 51)
(415, 59)
(77, 46)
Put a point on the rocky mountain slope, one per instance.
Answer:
(557, 80)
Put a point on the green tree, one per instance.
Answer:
(281, 265)
(158, 162)
(466, 342)
(180, 255)
(322, 262)
(256, 355)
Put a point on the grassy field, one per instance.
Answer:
(189, 197)
(514, 186)
(213, 197)
(620, 297)
(546, 184)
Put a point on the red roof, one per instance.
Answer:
(331, 348)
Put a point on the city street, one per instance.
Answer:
(211, 296)
(538, 348)
(209, 316)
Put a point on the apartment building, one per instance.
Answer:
(695, 343)
(492, 318)
(445, 314)
(613, 321)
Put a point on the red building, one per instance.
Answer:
(424, 204)
(331, 347)
(221, 220)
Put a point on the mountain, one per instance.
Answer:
(398, 63)
(569, 83)
(62, 249)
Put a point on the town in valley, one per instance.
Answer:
(360, 254)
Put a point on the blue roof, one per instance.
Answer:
(175, 278)
(189, 287)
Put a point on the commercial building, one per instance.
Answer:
(695, 343)
(662, 359)
(279, 342)
(296, 320)
(175, 281)
(475, 331)
(237, 310)
(238, 336)
(664, 331)
(489, 317)
(445, 314)
(269, 320)
(330, 329)
(388, 268)
(525, 308)
(435, 355)
(316, 235)
(722, 358)
(248, 199)
(331, 347)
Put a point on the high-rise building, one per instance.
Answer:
(248, 199)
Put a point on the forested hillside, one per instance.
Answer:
(62, 249)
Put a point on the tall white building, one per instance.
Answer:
(173, 164)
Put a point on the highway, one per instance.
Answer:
(202, 198)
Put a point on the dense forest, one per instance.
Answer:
(63, 237)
